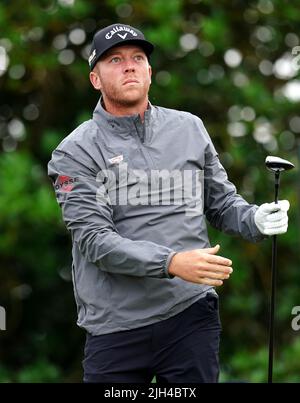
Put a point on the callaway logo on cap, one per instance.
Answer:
(117, 35)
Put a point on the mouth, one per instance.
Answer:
(130, 81)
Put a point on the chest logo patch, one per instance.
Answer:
(116, 160)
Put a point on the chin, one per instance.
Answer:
(132, 101)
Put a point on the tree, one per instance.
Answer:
(236, 65)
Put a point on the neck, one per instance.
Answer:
(125, 110)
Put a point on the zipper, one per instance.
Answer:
(142, 143)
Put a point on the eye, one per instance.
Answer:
(115, 59)
(138, 58)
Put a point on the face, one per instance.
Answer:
(123, 75)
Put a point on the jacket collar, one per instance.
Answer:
(119, 123)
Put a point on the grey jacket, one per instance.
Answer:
(104, 174)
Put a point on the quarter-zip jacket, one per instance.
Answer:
(122, 250)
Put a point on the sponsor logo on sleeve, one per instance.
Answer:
(65, 183)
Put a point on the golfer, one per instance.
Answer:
(136, 184)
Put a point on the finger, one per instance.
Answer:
(213, 275)
(212, 251)
(219, 269)
(275, 224)
(214, 283)
(279, 215)
(276, 231)
(220, 260)
(270, 207)
(284, 205)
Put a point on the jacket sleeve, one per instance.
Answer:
(88, 216)
(224, 208)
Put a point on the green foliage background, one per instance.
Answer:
(243, 98)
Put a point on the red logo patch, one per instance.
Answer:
(65, 183)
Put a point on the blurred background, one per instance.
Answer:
(235, 64)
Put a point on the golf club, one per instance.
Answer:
(276, 165)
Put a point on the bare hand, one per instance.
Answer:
(201, 266)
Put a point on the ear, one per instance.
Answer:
(95, 80)
(150, 72)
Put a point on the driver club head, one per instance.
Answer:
(276, 164)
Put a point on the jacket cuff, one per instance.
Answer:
(257, 236)
(166, 267)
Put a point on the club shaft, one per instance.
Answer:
(273, 291)
(272, 309)
(277, 174)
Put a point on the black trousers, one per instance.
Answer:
(183, 348)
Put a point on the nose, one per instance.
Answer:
(129, 69)
(129, 66)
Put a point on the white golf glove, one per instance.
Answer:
(271, 218)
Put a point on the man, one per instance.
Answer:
(135, 184)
